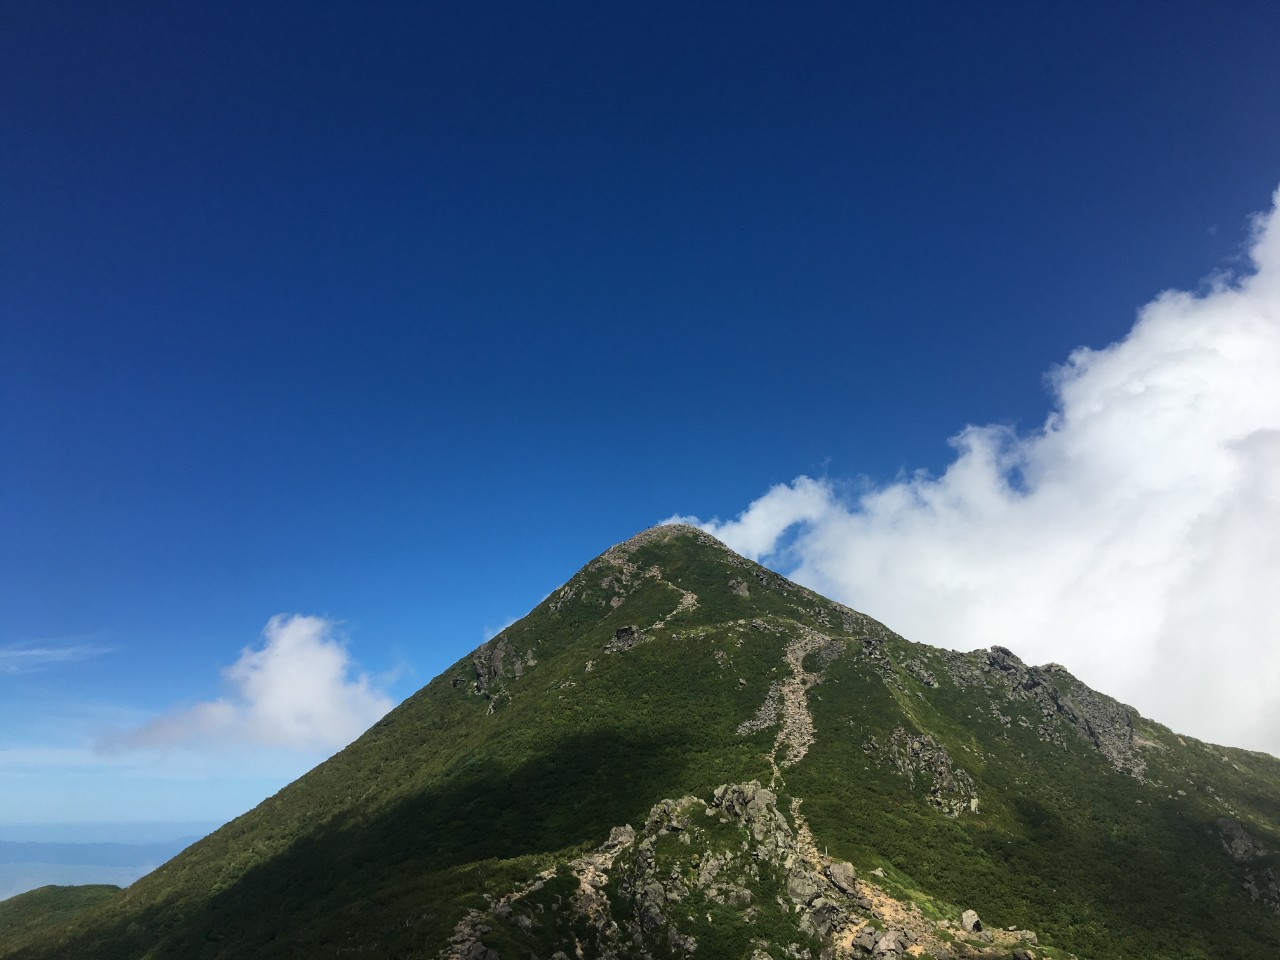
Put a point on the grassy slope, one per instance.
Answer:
(46, 907)
(1090, 858)
(384, 846)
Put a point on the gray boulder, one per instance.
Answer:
(889, 945)
(802, 887)
(843, 876)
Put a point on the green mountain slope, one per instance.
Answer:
(680, 753)
(46, 908)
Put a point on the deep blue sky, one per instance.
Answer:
(399, 313)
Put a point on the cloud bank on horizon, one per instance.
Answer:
(296, 691)
(1134, 537)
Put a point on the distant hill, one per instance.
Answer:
(682, 754)
(25, 865)
(45, 908)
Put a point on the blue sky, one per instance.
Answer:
(390, 319)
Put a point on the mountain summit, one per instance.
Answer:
(680, 753)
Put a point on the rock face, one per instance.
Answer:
(624, 638)
(1102, 721)
(1237, 841)
(494, 663)
(918, 757)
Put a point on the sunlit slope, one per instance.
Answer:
(44, 908)
(670, 666)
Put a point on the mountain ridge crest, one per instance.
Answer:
(491, 814)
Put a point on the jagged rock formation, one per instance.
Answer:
(918, 756)
(1102, 721)
(696, 867)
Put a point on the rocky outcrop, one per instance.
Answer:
(1062, 700)
(1102, 721)
(1237, 841)
(1263, 887)
(844, 878)
(920, 670)
(491, 661)
(1107, 724)
(624, 638)
(493, 664)
(920, 758)
(696, 864)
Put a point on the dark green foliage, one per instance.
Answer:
(46, 908)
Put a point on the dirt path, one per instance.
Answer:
(805, 843)
(688, 599)
(796, 734)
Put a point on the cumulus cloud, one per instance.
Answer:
(1134, 537)
(297, 690)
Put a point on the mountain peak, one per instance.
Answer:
(664, 533)
(683, 754)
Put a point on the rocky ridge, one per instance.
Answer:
(1105, 723)
(734, 862)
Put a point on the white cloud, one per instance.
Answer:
(297, 690)
(24, 659)
(1134, 537)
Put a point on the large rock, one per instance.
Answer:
(890, 944)
(826, 917)
(802, 887)
(843, 876)
(970, 922)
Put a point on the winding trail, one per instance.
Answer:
(688, 599)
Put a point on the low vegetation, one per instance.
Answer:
(46, 909)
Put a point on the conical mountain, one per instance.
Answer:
(682, 754)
